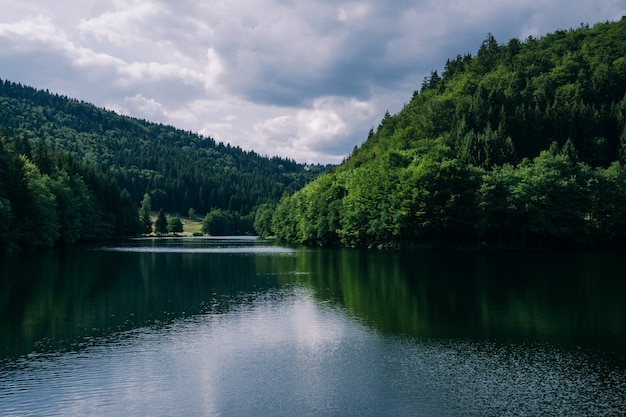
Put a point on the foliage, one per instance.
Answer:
(71, 172)
(220, 222)
(180, 170)
(175, 225)
(144, 214)
(49, 198)
(160, 225)
(263, 219)
(216, 223)
(522, 144)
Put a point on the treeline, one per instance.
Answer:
(522, 144)
(179, 169)
(50, 198)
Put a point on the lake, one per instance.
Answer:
(247, 327)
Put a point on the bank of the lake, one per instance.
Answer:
(243, 326)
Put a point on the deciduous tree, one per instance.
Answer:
(175, 225)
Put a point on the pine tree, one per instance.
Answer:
(144, 214)
(160, 226)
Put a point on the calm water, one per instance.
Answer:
(238, 327)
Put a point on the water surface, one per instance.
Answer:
(231, 327)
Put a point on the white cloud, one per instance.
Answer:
(144, 105)
(84, 57)
(352, 12)
(152, 72)
(317, 132)
(38, 29)
(305, 79)
(128, 25)
(213, 70)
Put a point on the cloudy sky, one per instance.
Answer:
(300, 79)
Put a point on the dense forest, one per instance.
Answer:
(523, 144)
(52, 144)
(49, 198)
(180, 169)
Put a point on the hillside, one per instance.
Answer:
(71, 172)
(180, 169)
(49, 198)
(520, 144)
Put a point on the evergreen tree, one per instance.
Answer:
(6, 218)
(160, 225)
(129, 223)
(144, 214)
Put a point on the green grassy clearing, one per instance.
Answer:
(190, 226)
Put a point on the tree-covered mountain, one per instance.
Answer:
(70, 171)
(109, 162)
(180, 169)
(523, 143)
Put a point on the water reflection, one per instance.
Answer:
(569, 298)
(284, 353)
(245, 327)
(233, 244)
(56, 299)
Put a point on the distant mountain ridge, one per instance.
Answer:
(179, 169)
(522, 144)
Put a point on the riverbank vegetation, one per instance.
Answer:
(523, 144)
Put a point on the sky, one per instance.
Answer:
(300, 79)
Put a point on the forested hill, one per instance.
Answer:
(179, 169)
(523, 143)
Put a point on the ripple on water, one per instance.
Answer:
(486, 379)
(283, 353)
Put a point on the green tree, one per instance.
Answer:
(216, 223)
(263, 219)
(74, 202)
(175, 225)
(607, 192)
(129, 223)
(69, 211)
(160, 225)
(285, 220)
(144, 214)
(43, 159)
(12, 185)
(40, 226)
(6, 218)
